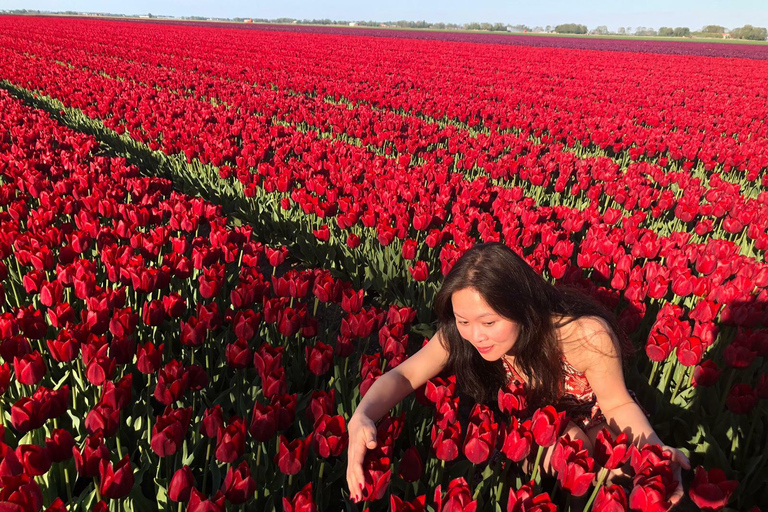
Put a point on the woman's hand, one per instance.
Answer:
(679, 461)
(362, 437)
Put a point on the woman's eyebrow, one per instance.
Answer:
(479, 316)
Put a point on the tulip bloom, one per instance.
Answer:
(710, 490)
(239, 484)
(292, 456)
(181, 485)
(302, 501)
(546, 425)
(116, 481)
(610, 453)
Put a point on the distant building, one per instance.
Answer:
(248, 20)
(352, 24)
(516, 30)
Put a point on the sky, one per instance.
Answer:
(612, 13)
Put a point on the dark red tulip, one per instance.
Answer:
(411, 466)
(116, 481)
(292, 456)
(706, 374)
(181, 485)
(93, 452)
(377, 473)
(198, 502)
(169, 431)
(149, 357)
(319, 358)
(35, 459)
(320, 404)
(330, 438)
(60, 445)
(213, 419)
(302, 501)
(238, 355)
(230, 442)
(711, 490)
(239, 484)
(29, 369)
(741, 399)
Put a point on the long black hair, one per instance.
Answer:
(516, 292)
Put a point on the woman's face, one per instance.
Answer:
(490, 333)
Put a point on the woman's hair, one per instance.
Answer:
(515, 291)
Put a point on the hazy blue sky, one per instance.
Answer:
(613, 13)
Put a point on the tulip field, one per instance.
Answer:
(215, 238)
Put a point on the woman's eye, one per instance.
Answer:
(489, 324)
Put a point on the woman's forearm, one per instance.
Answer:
(383, 395)
(629, 418)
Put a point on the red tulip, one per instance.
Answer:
(302, 501)
(610, 453)
(411, 466)
(94, 451)
(198, 502)
(230, 442)
(706, 374)
(213, 419)
(419, 271)
(611, 499)
(319, 358)
(116, 481)
(35, 459)
(518, 439)
(181, 485)
(292, 456)
(546, 425)
(523, 500)
(446, 442)
(239, 484)
(458, 497)
(29, 369)
(710, 490)
(60, 445)
(329, 438)
(741, 399)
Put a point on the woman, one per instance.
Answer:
(499, 320)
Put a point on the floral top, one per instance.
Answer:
(577, 397)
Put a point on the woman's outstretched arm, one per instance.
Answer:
(606, 377)
(382, 396)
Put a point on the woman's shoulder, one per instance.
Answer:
(583, 339)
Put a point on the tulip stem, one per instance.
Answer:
(539, 454)
(653, 372)
(679, 381)
(503, 479)
(205, 467)
(66, 482)
(600, 481)
(96, 488)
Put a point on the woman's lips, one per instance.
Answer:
(484, 350)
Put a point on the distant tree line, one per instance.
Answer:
(571, 28)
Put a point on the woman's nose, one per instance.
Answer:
(478, 335)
